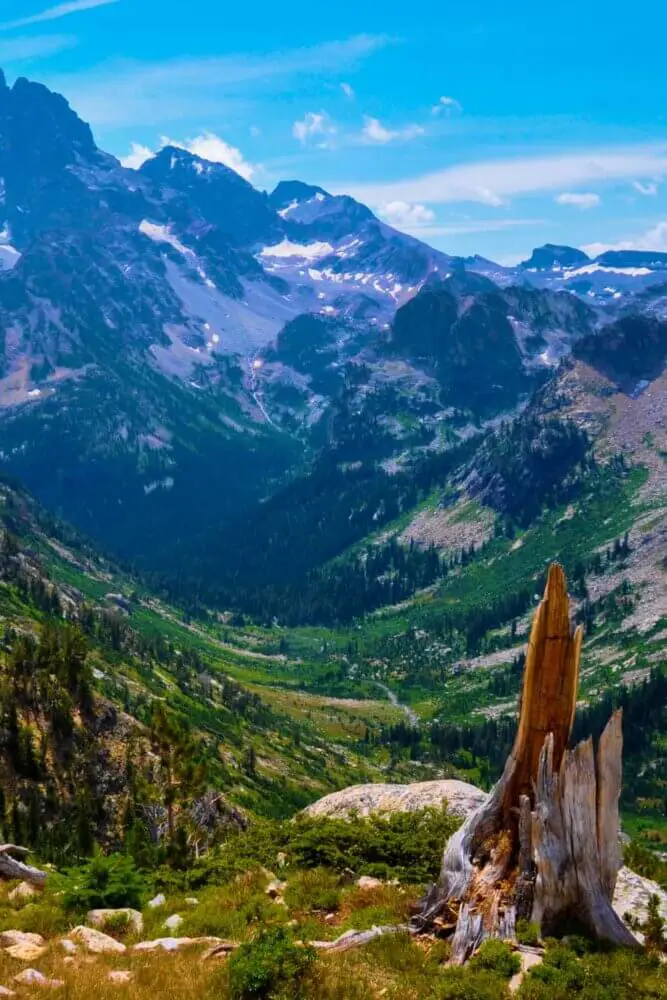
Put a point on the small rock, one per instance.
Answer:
(529, 959)
(23, 891)
(68, 946)
(20, 937)
(69, 960)
(281, 859)
(191, 901)
(367, 882)
(329, 917)
(97, 942)
(24, 951)
(173, 922)
(6, 992)
(31, 977)
(120, 976)
(158, 900)
(101, 918)
(275, 888)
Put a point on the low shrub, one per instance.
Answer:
(496, 956)
(527, 932)
(270, 967)
(468, 984)
(104, 882)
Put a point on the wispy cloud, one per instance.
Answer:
(649, 189)
(653, 239)
(375, 132)
(348, 90)
(467, 227)
(127, 93)
(316, 127)
(577, 199)
(492, 182)
(446, 104)
(54, 13)
(16, 50)
(208, 146)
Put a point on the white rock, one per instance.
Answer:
(362, 800)
(191, 901)
(632, 894)
(6, 992)
(158, 900)
(68, 946)
(23, 891)
(31, 977)
(20, 937)
(120, 976)
(97, 942)
(24, 951)
(101, 918)
(368, 882)
(173, 922)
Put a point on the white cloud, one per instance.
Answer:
(207, 145)
(492, 182)
(348, 90)
(138, 154)
(314, 126)
(211, 147)
(255, 131)
(578, 200)
(53, 13)
(653, 239)
(123, 93)
(374, 131)
(446, 104)
(650, 189)
(403, 215)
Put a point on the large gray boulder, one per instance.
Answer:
(362, 800)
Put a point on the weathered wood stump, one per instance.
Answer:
(545, 844)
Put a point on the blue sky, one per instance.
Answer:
(489, 127)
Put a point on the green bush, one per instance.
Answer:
(612, 974)
(271, 967)
(317, 889)
(496, 956)
(104, 882)
(466, 984)
(527, 932)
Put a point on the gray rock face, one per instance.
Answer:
(632, 894)
(363, 800)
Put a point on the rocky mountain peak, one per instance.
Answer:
(552, 256)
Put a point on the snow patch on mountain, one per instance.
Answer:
(310, 251)
(631, 272)
(163, 234)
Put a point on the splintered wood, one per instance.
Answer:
(545, 844)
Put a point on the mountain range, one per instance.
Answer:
(177, 345)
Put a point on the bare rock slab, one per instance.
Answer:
(362, 800)
(97, 942)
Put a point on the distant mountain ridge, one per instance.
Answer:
(155, 362)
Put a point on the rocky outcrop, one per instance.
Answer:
(102, 918)
(362, 800)
(632, 894)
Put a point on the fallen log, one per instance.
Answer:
(12, 868)
(545, 844)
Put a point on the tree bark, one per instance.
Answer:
(545, 844)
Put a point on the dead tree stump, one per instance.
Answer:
(545, 844)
